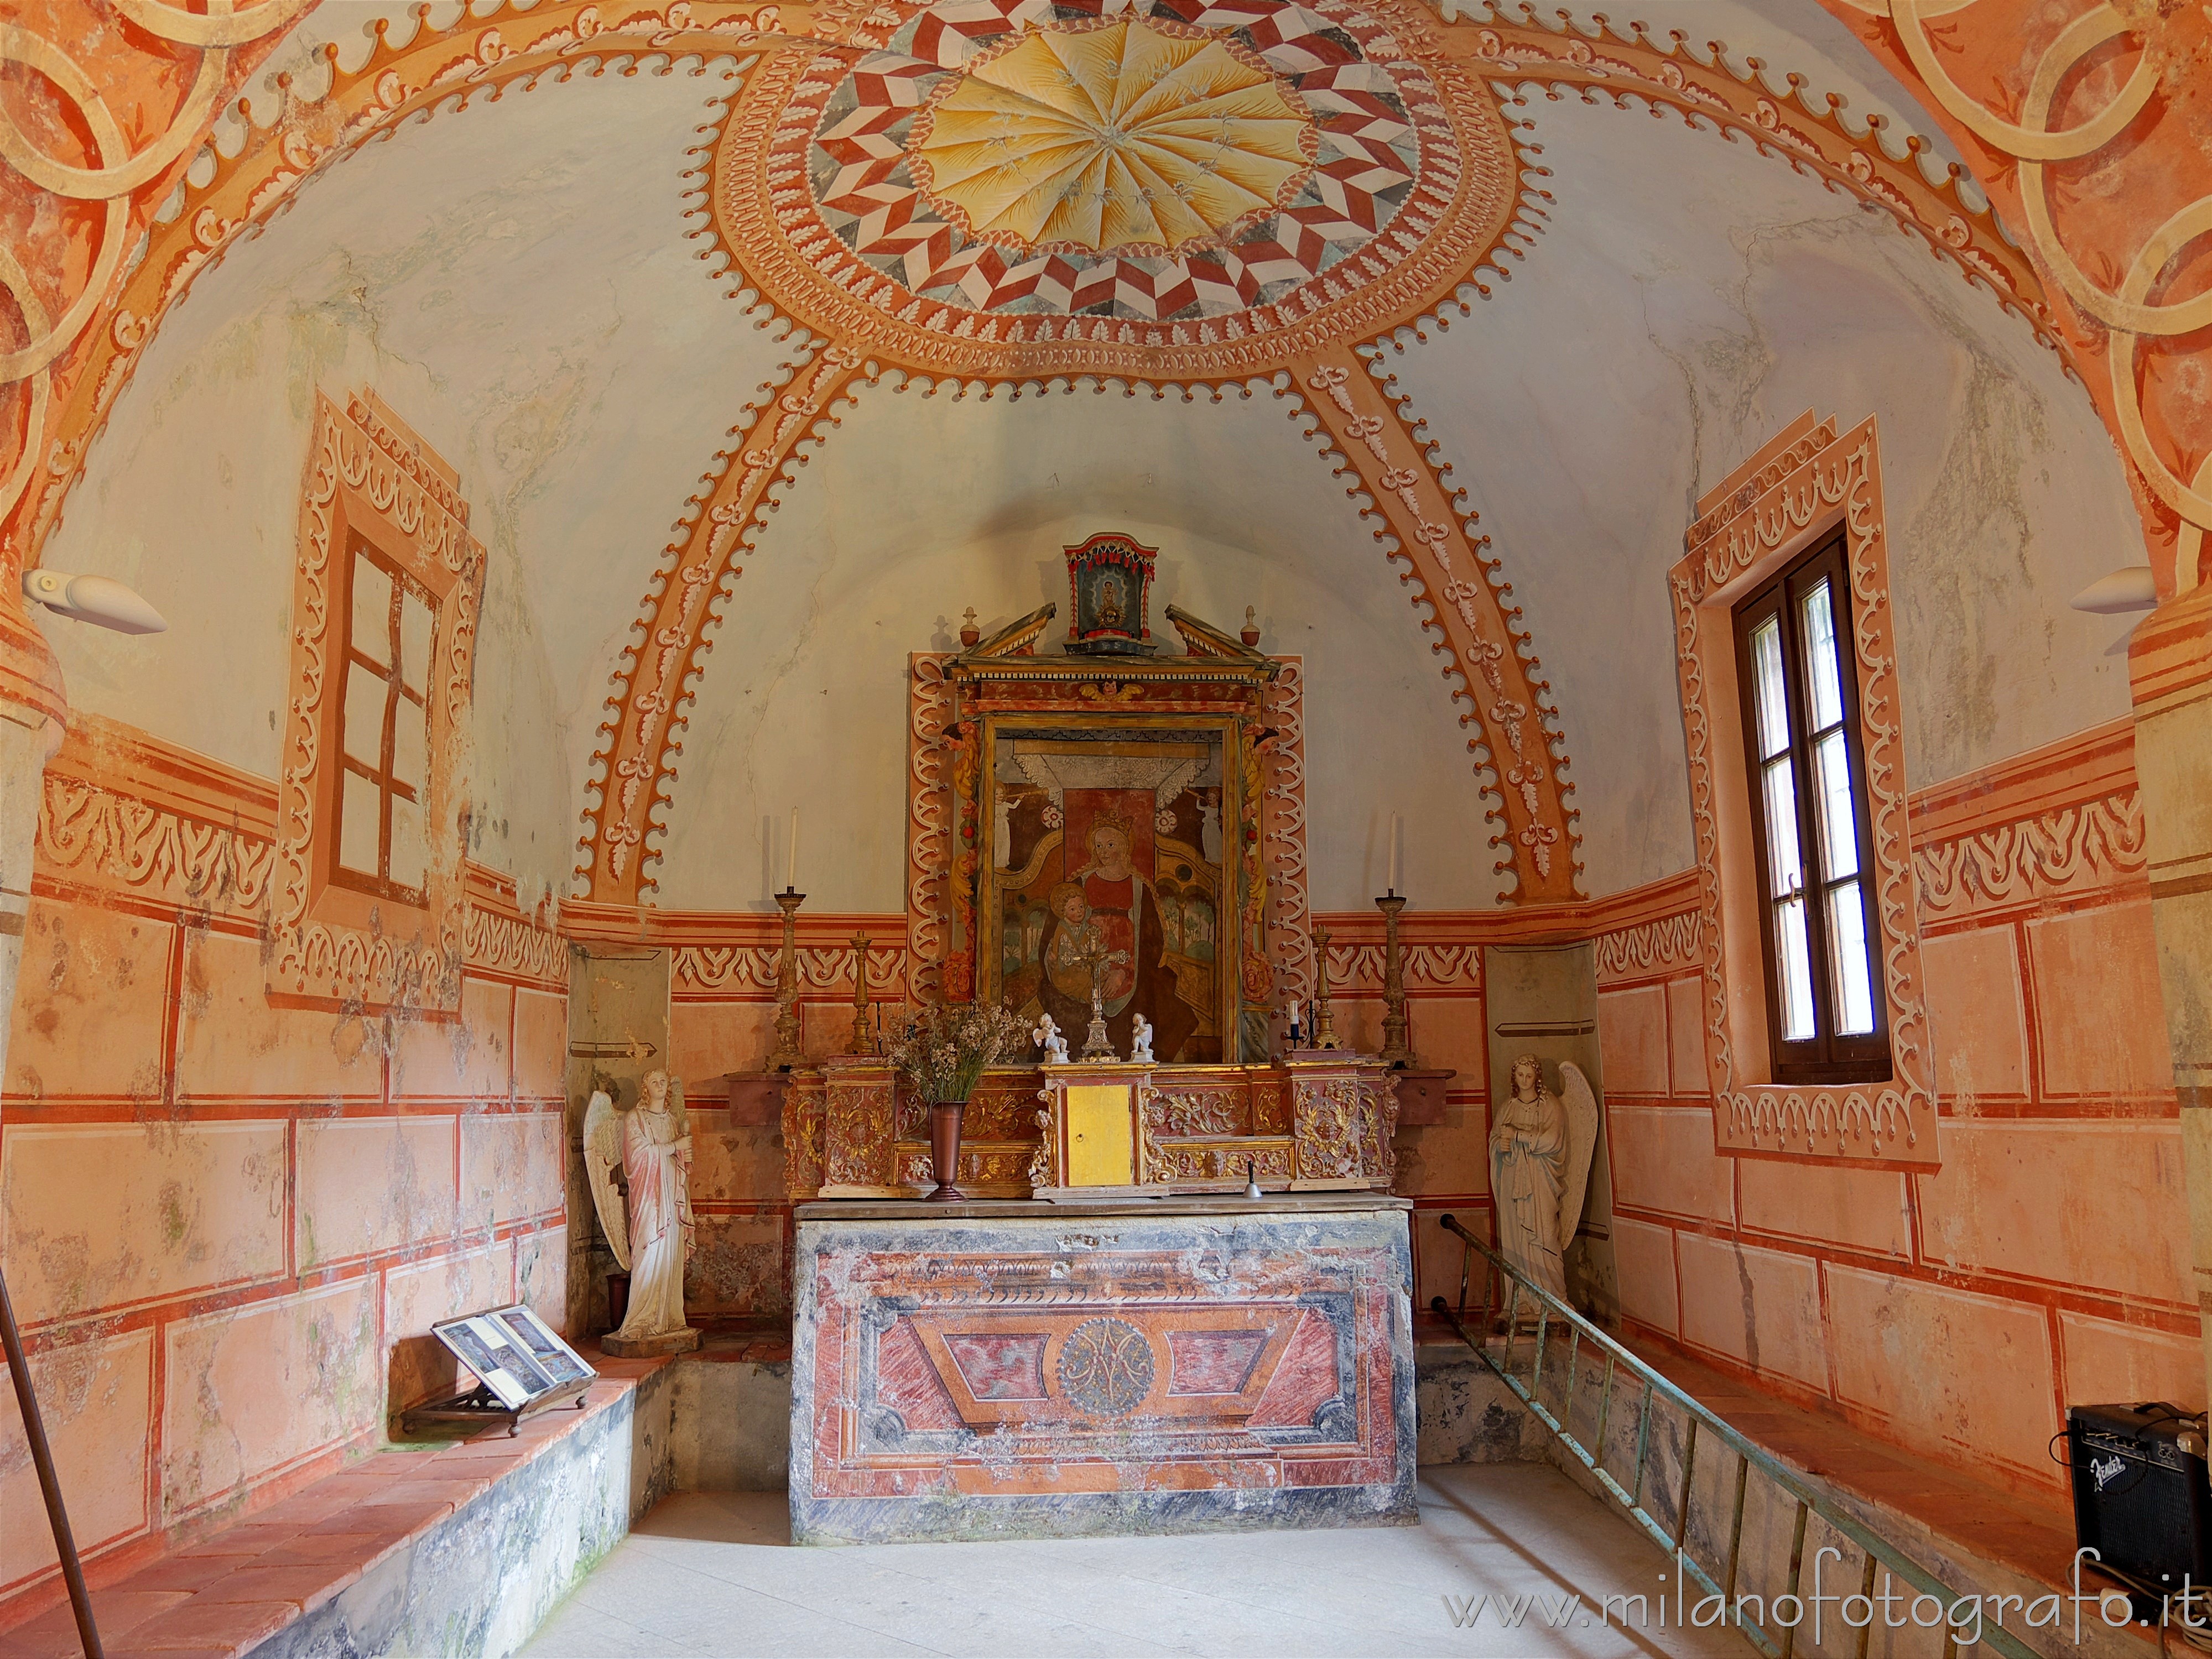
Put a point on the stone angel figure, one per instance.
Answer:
(1140, 1041)
(1049, 1037)
(1540, 1145)
(650, 1234)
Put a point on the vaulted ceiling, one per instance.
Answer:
(1421, 337)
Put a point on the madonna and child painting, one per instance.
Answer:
(1107, 871)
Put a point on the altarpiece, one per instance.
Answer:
(1098, 814)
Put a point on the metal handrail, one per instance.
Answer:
(1702, 1423)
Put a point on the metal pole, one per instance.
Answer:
(42, 1458)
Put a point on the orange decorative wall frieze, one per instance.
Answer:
(1491, 658)
(124, 813)
(1651, 947)
(135, 823)
(2061, 820)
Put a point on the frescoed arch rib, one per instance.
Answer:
(636, 763)
(1518, 741)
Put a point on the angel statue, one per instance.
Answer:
(1540, 1161)
(1049, 1037)
(651, 1144)
(1140, 1041)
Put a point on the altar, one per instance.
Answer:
(1026, 1370)
(1162, 1284)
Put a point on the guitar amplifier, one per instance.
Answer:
(2141, 1496)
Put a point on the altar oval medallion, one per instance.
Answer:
(999, 185)
(1106, 1367)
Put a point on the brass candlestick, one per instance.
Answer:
(1324, 1022)
(863, 1041)
(1395, 1049)
(787, 1056)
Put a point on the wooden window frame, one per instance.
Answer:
(1828, 1056)
(396, 693)
(1812, 478)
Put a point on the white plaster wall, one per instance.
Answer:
(1690, 298)
(513, 279)
(918, 506)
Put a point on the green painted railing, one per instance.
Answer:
(1704, 1426)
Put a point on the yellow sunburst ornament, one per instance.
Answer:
(1120, 136)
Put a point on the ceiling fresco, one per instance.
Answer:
(1022, 174)
(1125, 138)
(1390, 224)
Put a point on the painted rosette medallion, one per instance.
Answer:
(1007, 183)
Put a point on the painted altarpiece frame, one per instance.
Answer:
(1220, 697)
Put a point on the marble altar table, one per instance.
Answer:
(1020, 1369)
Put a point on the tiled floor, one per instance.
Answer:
(714, 1573)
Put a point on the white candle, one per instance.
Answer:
(1394, 852)
(791, 856)
(1294, 1013)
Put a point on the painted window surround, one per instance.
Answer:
(1785, 499)
(370, 479)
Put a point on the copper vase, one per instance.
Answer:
(944, 1150)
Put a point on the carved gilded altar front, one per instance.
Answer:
(1315, 1121)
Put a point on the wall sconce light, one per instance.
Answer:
(100, 600)
(2128, 588)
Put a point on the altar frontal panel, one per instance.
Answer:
(1042, 1376)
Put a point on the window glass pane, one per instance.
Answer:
(1824, 682)
(407, 848)
(415, 622)
(1792, 961)
(1853, 979)
(1839, 830)
(372, 611)
(1785, 865)
(410, 746)
(365, 692)
(359, 828)
(1766, 672)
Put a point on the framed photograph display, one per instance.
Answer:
(516, 1358)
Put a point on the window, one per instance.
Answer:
(1826, 1015)
(385, 731)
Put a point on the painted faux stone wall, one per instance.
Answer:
(229, 1224)
(1956, 1312)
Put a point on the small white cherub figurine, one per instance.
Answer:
(1049, 1037)
(1140, 1041)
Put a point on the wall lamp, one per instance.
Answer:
(2129, 588)
(100, 600)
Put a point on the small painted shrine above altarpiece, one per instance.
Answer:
(1108, 815)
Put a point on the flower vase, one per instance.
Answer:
(944, 1150)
